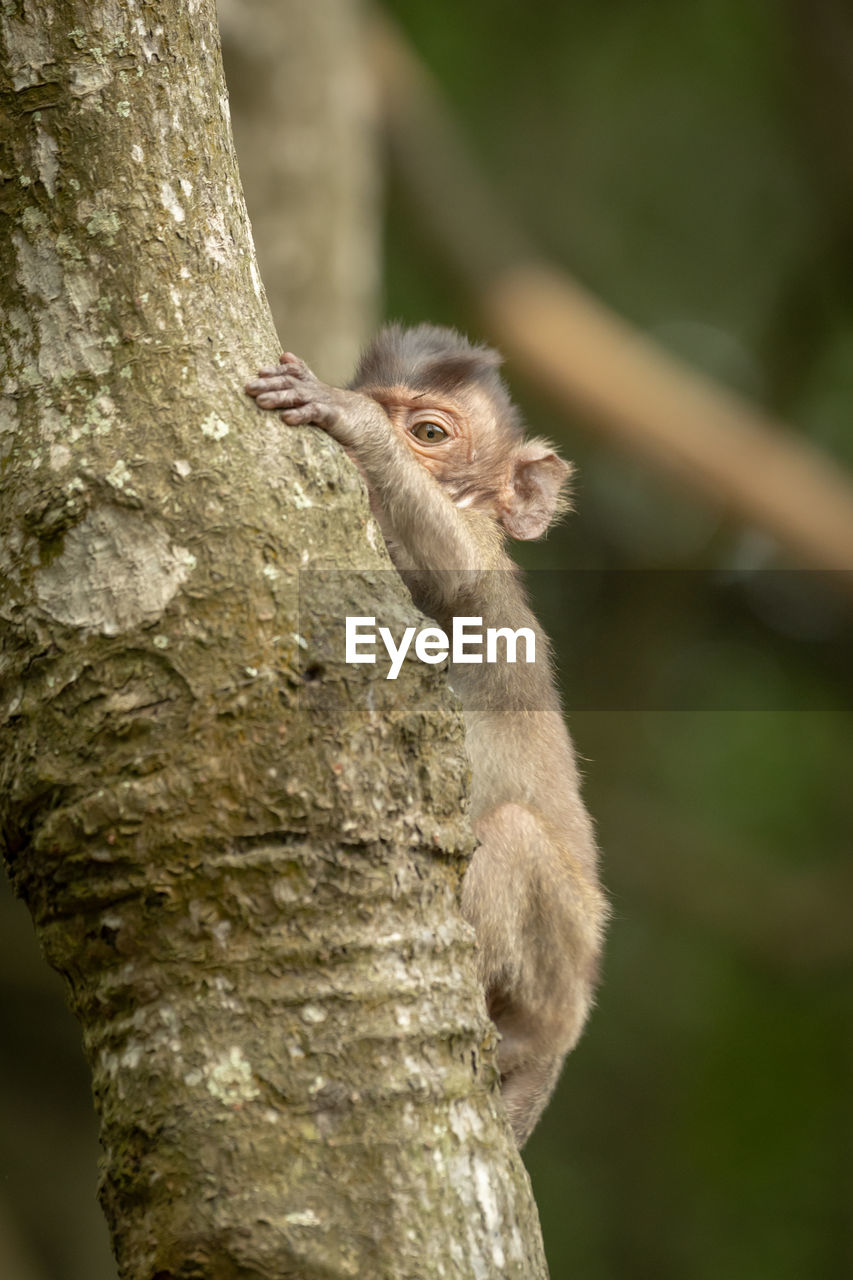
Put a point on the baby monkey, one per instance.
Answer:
(430, 425)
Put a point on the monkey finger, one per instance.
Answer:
(296, 368)
(287, 357)
(300, 415)
(280, 398)
(277, 381)
(275, 386)
(297, 373)
(256, 385)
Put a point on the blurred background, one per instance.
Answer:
(691, 166)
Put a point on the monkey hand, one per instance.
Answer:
(301, 398)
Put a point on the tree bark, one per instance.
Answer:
(242, 854)
(304, 125)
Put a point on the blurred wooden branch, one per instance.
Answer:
(592, 363)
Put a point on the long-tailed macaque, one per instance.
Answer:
(430, 425)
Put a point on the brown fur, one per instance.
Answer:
(531, 891)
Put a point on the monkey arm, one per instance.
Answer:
(425, 532)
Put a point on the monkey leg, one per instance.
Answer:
(538, 919)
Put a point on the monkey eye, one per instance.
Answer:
(430, 433)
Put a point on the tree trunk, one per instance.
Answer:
(242, 853)
(304, 126)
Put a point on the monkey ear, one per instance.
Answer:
(534, 494)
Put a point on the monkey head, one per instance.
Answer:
(446, 399)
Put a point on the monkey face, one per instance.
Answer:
(481, 462)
